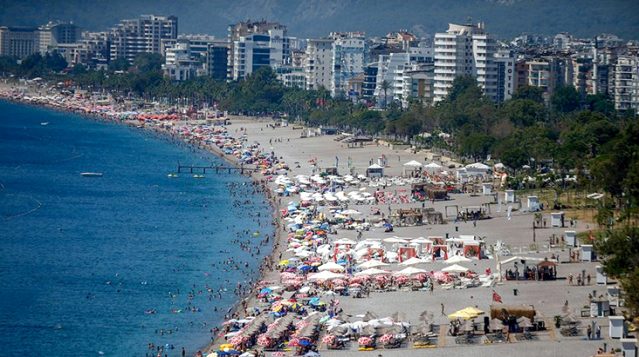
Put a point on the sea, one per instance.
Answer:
(106, 266)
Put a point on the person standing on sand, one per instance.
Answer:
(443, 314)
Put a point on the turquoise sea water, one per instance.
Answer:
(83, 261)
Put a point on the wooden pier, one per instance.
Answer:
(197, 169)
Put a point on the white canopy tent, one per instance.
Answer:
(455, 269)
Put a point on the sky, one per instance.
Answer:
(316, 18)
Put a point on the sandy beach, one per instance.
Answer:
(548, 298)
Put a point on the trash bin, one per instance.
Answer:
(515, 291)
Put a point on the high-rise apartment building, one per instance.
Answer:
(18, 42)
(505, 66)
(349, 57)
(464, 50)
(240, 34)
(142, 35)
(625, 86)
(57, 33)
(318, 63)
(391, 81)
(258, 50)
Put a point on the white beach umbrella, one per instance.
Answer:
(410, 271)
(372, 264)
(412, 261)
(395, 240)
(455, 269)
(344, 241)
(371, 272)
(325, 275)
(413, 163)
(330, 266)
(457, 259)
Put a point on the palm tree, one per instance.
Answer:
(385, 87)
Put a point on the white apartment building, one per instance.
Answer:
(142, 35)
(349, 57)
(318, 63)
(418, 83)
(625, 86)
(256, 50)
(464, 50)
(391, 71)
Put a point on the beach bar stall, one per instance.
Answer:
(509, 196)
(557, 219)
(571, 238)
(487, 188)
(375, 170)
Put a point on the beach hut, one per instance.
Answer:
(617, 326)
(557, 219)
(601, 277)
(628, 347)
(533, 203)
(570, 238)
(487, 188)
(375, 170)
(587, 254)
(509, 196)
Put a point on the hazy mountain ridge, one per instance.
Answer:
(315, 18)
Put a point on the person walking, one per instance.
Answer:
(443, 314)
(589, 332)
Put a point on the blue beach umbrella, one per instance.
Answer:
(266, 291)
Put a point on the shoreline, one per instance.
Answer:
(164, 134)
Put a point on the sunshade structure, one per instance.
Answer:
(466, 314)
(432, 167)
(345, 241)
(457, 259)
(455, 269)
(325, 275)
(412, 261)
(478, 166)
(330, 266)
(395, 240)
(372, 264)
(413, 163)
(496, 324)
(411, 271)
(371, 272)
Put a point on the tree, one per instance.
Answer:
(535, 94)
(565, 99)
(620, 252)
(119, 64)
(148, 62)
(385, 87)
(523, 112)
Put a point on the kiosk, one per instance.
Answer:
(533, 203)
(602, 279)
(509, 196)
(557, 219)
(487, 188)
(571, 238)
(617, 326)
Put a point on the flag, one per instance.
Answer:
(496, 297)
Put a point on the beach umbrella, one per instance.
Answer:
(524, 322)
(412, 261)
(371, 264)
(457, 259)
(325, 275)
(331, 266)
(413, 163)
(410, 271)
(496, 324)
(371, 272)
(455, 269)
(345, 241)
(395, 240)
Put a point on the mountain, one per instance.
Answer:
(315, 18)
